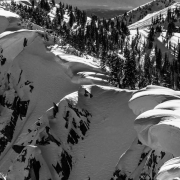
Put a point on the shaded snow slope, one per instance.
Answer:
(55, 123)
(32, 78)
(157, 126)
(144, 159)
(147, 98)
(170, 170)
(80, 138)
(81, 70)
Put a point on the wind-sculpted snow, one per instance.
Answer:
(81, 137)
(81, 70)
(157, 127)
(31, 79)
(160, 124)
(140, 162)
(56, 124)
(84, 135)
(147, 98)
(8, 20)
(170, 170)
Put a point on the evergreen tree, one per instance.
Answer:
(147, 69)
(47, 6)
(166, 80)
(125, 29)
(84, 19)
(71, 19)
(151, 37)
(171, 28)
(169, 15)
(151, 34)
(53, 2)
(130, 71)
(115, 65)
(159, 60)
(32, 3)
(42, 4)
(178, 60)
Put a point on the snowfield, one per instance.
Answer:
(60, 120)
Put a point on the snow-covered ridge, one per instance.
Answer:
(146, 9)
(55, 123)
(147, 20)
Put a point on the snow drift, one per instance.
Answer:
(8, 20)
(32, 79)
(83, 133)
(55, 123)
(170, 170)
(159, 124)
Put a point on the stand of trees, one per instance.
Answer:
(104, 38)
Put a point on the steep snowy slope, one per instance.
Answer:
(87, 132)
(147, 20)
(24, 2)
(80, 138)
(32, 78)
(170, 170)
(143, 160)
(81, 70)
(146, 9)
(56, 124)
(158, 125)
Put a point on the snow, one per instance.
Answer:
(37, 76)
(23, 2)
(145, 12)
(147, 98)
(58, 114)
(8, 20)
(170, 170)
(98, 147)
(157, 125)
(147, 20)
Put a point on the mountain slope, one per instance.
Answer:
(140, 12)
(147, 20)
(55, 123)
